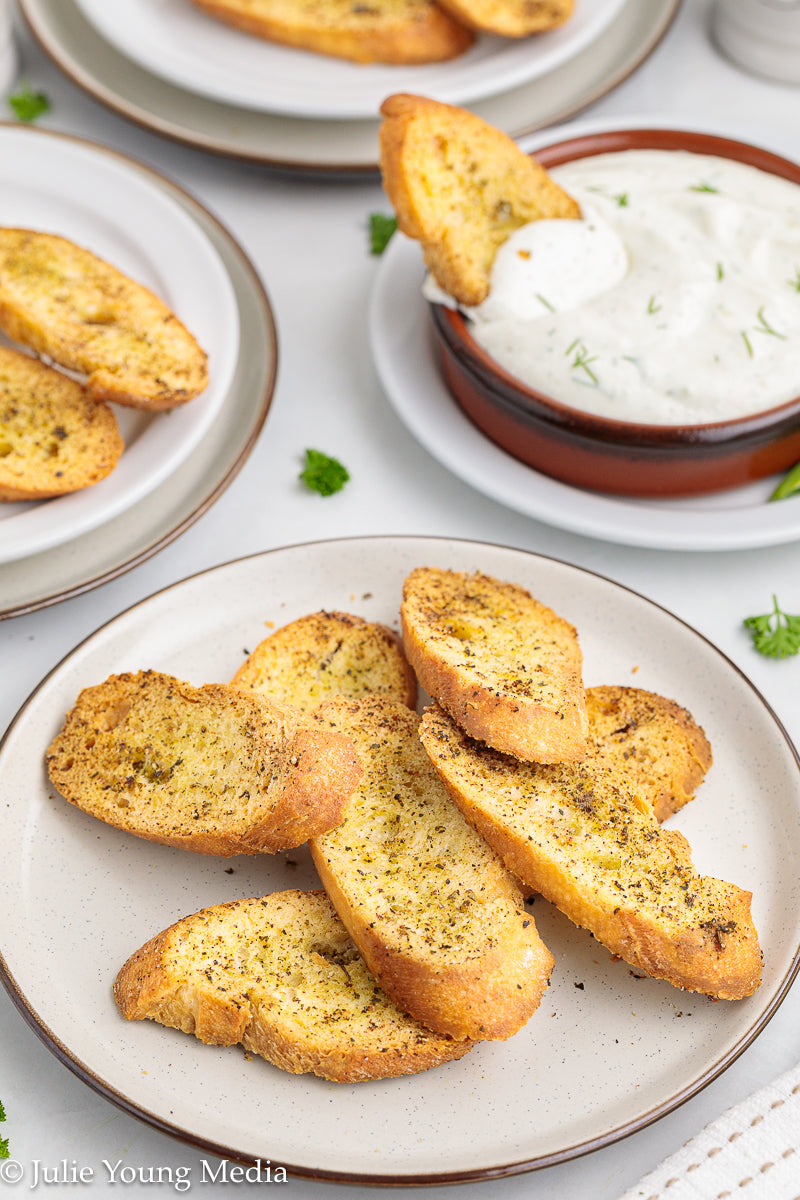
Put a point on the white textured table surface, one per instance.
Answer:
(308, 241)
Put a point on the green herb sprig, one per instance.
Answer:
(582, 360)
(323, 474)
(4, 1153)
(381, 230)
(789, 485)
(775, 634)
(28, 105)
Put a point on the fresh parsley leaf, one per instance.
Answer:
(775, 634)
(381, 229)
(4, 1153)
(788, 485)
(28, 105)
(2, 1112)
(323, 474)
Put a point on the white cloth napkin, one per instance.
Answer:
(751, 1152)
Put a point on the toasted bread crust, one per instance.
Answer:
(329, 654)
(654, 742)
(280, 975)
(386, 31)
(507, 668)
(65, 302)
(460, 187)
(578, 836)
(54, 438)
(436, 916)
(212, 769)
(510, 18)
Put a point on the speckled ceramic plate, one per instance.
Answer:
(184, 45)
(84, 896)
(331, 147)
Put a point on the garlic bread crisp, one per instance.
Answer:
(66, 303)
(650, 740)
(584, 840)
(329, 654)
(280, 975)
(54, 438)
(505, 666)
(385, 31)
(460, 187)
(440, 922)
(510, 18)
(211, 769)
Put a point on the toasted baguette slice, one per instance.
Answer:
(460, 187)
(212, 769)
(580, 837)
(280, 975)
(387, 31)
(66, 303)
(510, 18)
(438, 919)
(506, 667)
(329, 654)
(650, 741)
(53, 437)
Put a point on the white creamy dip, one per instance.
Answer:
(675, 300)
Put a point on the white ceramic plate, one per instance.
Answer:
(102, 201)
(189, 491)
(400, 336)
(340, 148)
(178, 42)
(84, 896)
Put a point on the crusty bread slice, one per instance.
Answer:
(506, 667)
(460, 187)
(212, 769)
(387, 31)
(329, 654)
(651, 741)
(66, 303)
(53, 437)
(438, 919)
(280, 975)
(510, 18)
(579, 836)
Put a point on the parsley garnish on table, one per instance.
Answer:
(28, 105)
(323, 474)
(775, 634)
(381, 229)
(3, 1141)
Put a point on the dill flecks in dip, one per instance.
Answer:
(675, 300)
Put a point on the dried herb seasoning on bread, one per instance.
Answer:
(385, 31)
(64, 302)
(437, 917)
(460, 187)
(211, 769)
(583, 839)
(651, 741)
(505, 666)
(280, 975)
(327, 654)
(54, 438)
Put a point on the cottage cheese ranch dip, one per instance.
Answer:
(674, 300)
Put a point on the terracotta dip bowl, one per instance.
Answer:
(600, 453)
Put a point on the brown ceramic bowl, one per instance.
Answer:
(598, 452)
